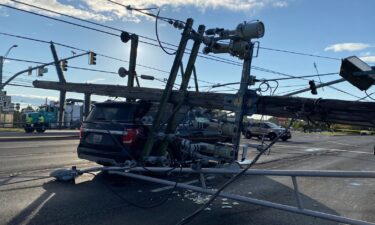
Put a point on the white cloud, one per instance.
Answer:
(59, 7)
(102, 10)
(238, 5)
(36, 97)
(96, 80)
(351, 47)
(368, 59)
(280, 4)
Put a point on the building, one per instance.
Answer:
(6, 105)
(6, 110)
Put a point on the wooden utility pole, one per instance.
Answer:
(166, 93)
(62, 80)
(324, 110)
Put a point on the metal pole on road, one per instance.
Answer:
(249, 200)
(317, 86)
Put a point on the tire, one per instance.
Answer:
(272, 136)
(40, 129)
(248, 135)
(29, 129)
(284, 139)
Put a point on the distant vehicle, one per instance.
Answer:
(365, 132)
(49, 114)
(266, 129)
(113, 130)
(72, 116)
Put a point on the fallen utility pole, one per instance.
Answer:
(323, 110)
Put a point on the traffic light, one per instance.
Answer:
(92, 58)
(29, 72)
(64, 65)
(41, 71)
(313, 87)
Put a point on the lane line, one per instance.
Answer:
(309, 149)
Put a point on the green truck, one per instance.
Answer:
(49, 114)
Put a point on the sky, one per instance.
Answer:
(335, 29)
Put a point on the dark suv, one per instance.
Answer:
(112, 131)
(117, 131)
(266, 129)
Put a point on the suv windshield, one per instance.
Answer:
(112, 113)
(271, 125)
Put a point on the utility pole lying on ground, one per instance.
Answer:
(323, 110)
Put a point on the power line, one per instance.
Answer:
(299, 53)
(296, 85)
(305, 76)
(94, 29)
(367, 96)
(73, 67)
(109, 33)
(99, 54)
(168, 20)
(213, 58)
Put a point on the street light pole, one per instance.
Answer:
(2, 64)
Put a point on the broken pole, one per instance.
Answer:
(87, 105)
(168, 88)
(132, 61)
(62, 80)
(324, 110)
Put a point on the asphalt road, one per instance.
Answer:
(27, 198)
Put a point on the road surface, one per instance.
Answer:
(27, 197)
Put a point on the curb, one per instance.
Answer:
(39, 138)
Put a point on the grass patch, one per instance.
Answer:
(5, 129)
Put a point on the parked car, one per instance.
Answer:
(266, 129)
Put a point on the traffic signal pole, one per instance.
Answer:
(317, 86)
(62, 80)
(1, 72)
(37, 67)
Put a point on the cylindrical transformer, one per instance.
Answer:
(250, 30)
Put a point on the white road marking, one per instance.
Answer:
(313, 149)
(36, 210)
(187, 182)
(339, 143)
(322, 149)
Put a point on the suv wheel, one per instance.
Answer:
(284, 138)
(248, 135)
(272, 136)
